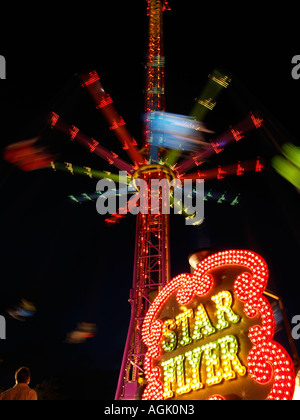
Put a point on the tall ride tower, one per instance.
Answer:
(151, 261)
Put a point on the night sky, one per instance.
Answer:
(61, 255)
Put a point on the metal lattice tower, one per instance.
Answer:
(152, 260)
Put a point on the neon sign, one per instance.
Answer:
(209, 335)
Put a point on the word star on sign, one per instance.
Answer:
(209, 335)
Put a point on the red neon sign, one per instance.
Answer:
(209, 335)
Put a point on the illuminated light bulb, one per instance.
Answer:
(182, 388)
(170, 341)
(203, 325)
(223, 302)
(214, 372)
(229, 350)
(194, 359)
(169, 377)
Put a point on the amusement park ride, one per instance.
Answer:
(158, 159)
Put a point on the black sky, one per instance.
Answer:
(62, 256)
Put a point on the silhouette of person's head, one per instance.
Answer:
(22, 375)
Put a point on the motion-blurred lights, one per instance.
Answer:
(289, 165)
(83, 331)
(23, 311)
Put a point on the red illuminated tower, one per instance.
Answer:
(152, 260)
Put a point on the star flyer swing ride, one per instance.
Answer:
(173, 145)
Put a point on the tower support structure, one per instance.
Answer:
(151, 274)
